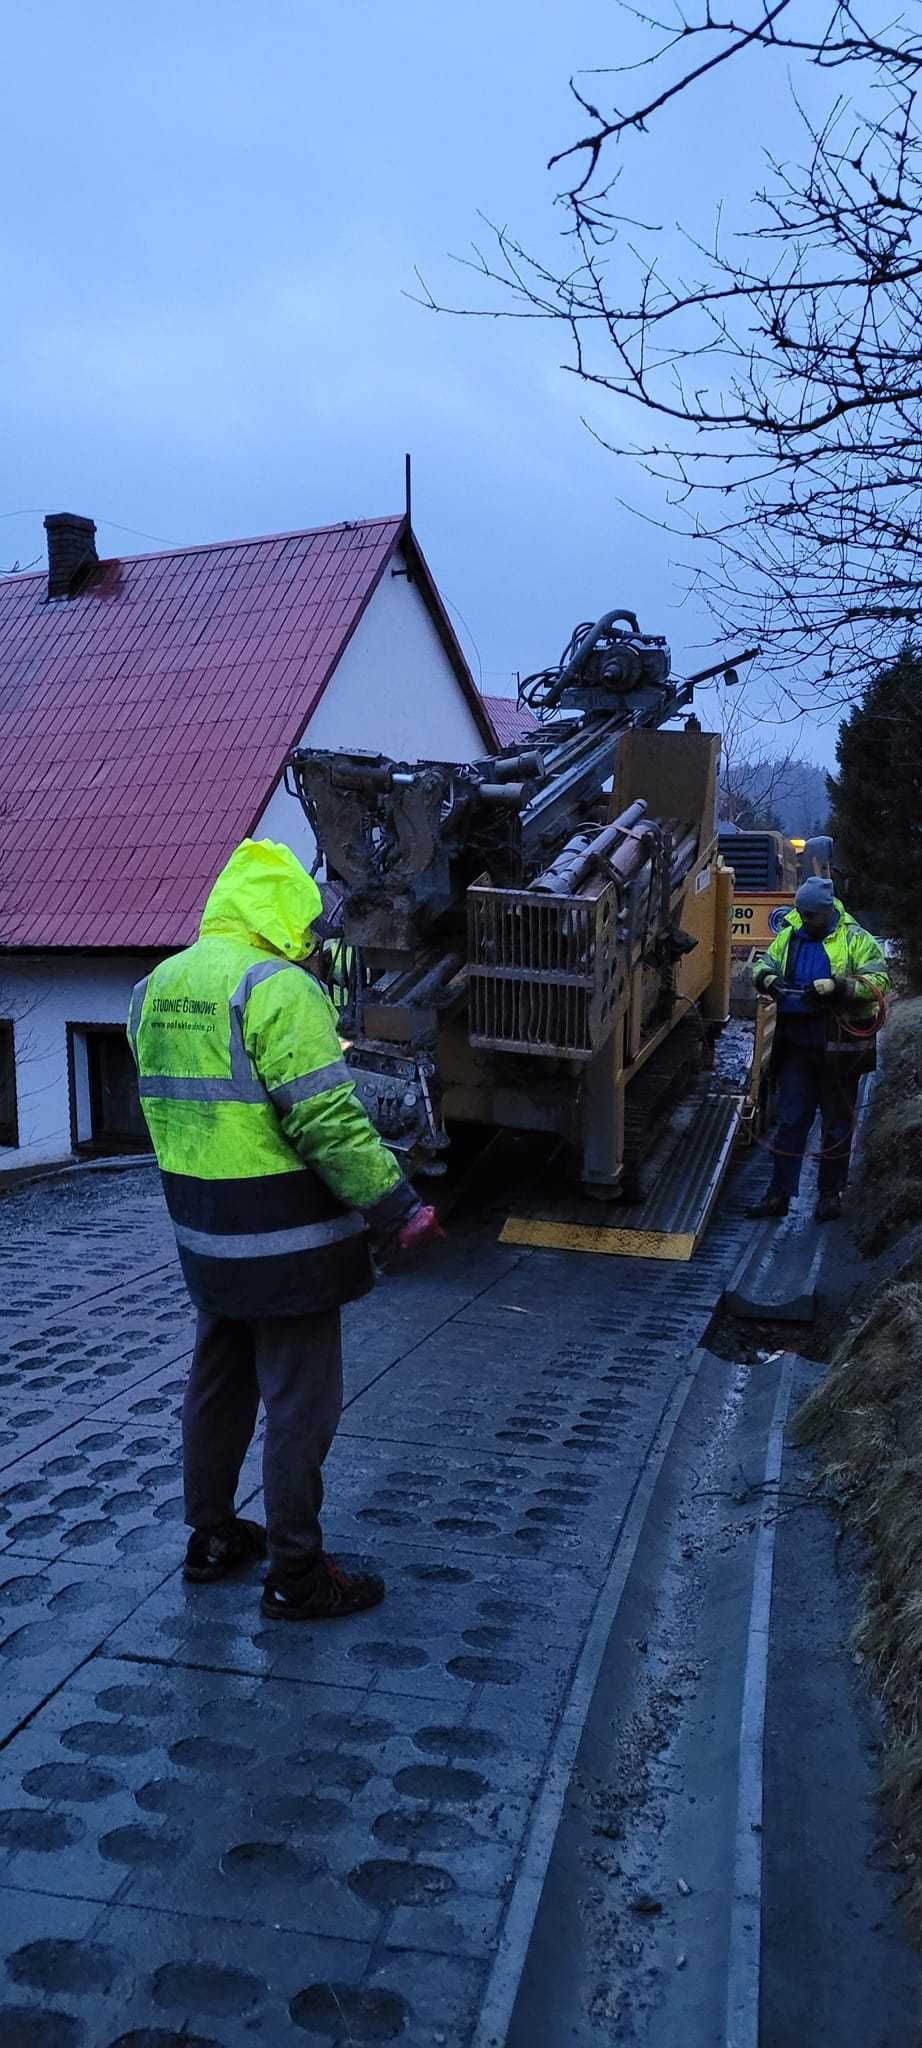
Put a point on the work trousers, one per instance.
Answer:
(810, 1079)
(295, 1364)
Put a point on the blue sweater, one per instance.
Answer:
(807, 961)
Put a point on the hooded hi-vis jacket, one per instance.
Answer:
(853, 954)
(271, 1168)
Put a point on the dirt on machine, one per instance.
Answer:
(539, 940)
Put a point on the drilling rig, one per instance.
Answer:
(538, 940)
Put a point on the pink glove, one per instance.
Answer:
(423, 1227)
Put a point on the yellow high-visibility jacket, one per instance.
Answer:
(273, 1172)
(853, 954)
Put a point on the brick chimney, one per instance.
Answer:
(71, 550)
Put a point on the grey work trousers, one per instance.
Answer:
(295, 1364)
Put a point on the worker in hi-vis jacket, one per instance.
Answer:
(828, 977)
(279, 1188)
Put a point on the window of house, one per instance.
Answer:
(9, 1124)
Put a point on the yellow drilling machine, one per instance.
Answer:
(537, 941)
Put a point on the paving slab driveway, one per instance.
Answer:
(216, 1830)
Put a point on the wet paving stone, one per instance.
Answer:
(480, 1504)
(329, 1819)
(28, 1421)
(158, 1980)
(44, 1514)
(217, 1831)
(52, 1616)
(414, 1647)
(518, 1384)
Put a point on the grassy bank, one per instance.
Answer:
(866, 1422)
(887, 1199)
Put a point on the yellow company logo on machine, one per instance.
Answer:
(757, 918)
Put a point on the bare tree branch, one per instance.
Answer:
(782, 377)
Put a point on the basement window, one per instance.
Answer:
(9, 1123)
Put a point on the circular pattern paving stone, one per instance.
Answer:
(206, 1987)
(23, 1827)
(80, 1782)
(414, 1831)
(24, 2026)
(325, 2010)
(107, 1738)
(64, 1966)
(440, 1781)
(381, 1882)
(158, 2037)
(140, 1848)
(458, 1741)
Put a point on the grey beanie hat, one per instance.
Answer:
(816, 893)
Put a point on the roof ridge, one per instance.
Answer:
(205, 547)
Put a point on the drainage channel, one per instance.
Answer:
(653, 1903)
(648, 1922)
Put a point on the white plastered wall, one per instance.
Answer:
(42, 994)
(394, 692)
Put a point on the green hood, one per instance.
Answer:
(266, 896)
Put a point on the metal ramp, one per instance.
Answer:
(669, 1224)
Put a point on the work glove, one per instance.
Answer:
(824, 990)
(423, 1227)
(846, 988)
(768, 985)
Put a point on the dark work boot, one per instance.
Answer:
(326, 1593)
(828, 1208)
(770, 1205)
(212, 1553)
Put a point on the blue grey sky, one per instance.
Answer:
(213, 215)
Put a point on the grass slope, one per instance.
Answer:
(888, 1197)
(866, 1422)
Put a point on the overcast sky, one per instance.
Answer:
(213, 215)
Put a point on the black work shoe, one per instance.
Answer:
(770, 1205)
(828, 1209)
(325, 1594)
(212, 1553)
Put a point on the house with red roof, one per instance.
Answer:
(511, 722)
(148, 706)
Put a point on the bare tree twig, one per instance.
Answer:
(777, 386)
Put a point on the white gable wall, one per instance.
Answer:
(44, 994)
(394, 692)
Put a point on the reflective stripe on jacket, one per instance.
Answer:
(270, 1165)
(849, 949)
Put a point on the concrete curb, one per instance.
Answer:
(29, 1176)
(745, 1943)
(509, 1961)
(776, 1279)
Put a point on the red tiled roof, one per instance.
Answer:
(145, 721)
(510, 721)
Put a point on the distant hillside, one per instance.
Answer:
(790, 796)
(802, 799)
